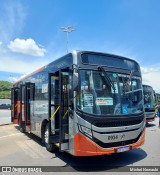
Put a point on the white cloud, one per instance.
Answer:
(28, 47)
(16, 65)
(16, 78)
(150, 76)
(2, 50)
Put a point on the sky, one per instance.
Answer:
(31, 35)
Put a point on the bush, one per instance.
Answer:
(5, 95)
(5, 86)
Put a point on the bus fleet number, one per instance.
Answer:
(113, 137)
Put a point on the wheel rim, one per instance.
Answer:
(46, 136)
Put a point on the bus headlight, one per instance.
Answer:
(85, 131)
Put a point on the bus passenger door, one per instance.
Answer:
(21, 121)
(53, 106)
(29, 96)
(58, 88)
(64, 86)
(14, 105)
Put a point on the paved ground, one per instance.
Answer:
(17, 149)
(5, 116)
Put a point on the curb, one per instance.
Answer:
(6, 124)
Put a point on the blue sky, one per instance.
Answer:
(30, 34)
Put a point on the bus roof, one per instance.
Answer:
(147, 86)
(75, 52)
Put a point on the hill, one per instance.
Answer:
(5, 89)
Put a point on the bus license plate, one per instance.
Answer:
(122, 149)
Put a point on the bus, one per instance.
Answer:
(85, 103)
(149, 103)
(158, 98)
(156, 102)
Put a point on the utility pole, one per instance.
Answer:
(68, 30)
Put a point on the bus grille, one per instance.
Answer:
(149, 110)
(117, 123)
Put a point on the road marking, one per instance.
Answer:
(27, 150)
(10, 135)
(35, 147)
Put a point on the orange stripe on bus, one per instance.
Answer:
(29, 126)
(15, 121)
(38, 70)
(151, 120)
(140, 141)
(85, 147)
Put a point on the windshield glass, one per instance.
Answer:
(149, 99)
(97, 96)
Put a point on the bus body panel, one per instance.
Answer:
(149, 103)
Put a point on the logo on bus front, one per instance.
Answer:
(122, 136)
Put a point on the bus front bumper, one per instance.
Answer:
(150, 116)
(83, 146)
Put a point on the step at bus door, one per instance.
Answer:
(64, 86)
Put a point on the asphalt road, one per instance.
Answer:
(5, 116)
(18, 149)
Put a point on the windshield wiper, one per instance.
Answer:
(129, 81)
(133, 91)
(106, 77)
(130, 76)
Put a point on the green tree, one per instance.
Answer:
(5, 89)
(5, 86)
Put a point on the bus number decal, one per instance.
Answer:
(113, 137)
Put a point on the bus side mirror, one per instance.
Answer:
(75, 81)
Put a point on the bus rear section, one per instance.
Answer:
(149, 103)
(85, 108)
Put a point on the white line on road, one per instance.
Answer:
(27, 150)
(35, 147)
(10, 135)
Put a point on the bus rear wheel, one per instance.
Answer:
(49, 146)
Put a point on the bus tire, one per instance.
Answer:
(49, 146)
(21, 126)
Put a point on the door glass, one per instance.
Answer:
(23, 102)
(32, 98)
(28, 106)
(64, 103)
(54, 104)
(29, 101)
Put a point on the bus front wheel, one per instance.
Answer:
(49, 146)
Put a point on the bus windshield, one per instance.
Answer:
(99, 97)
(149, 99)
